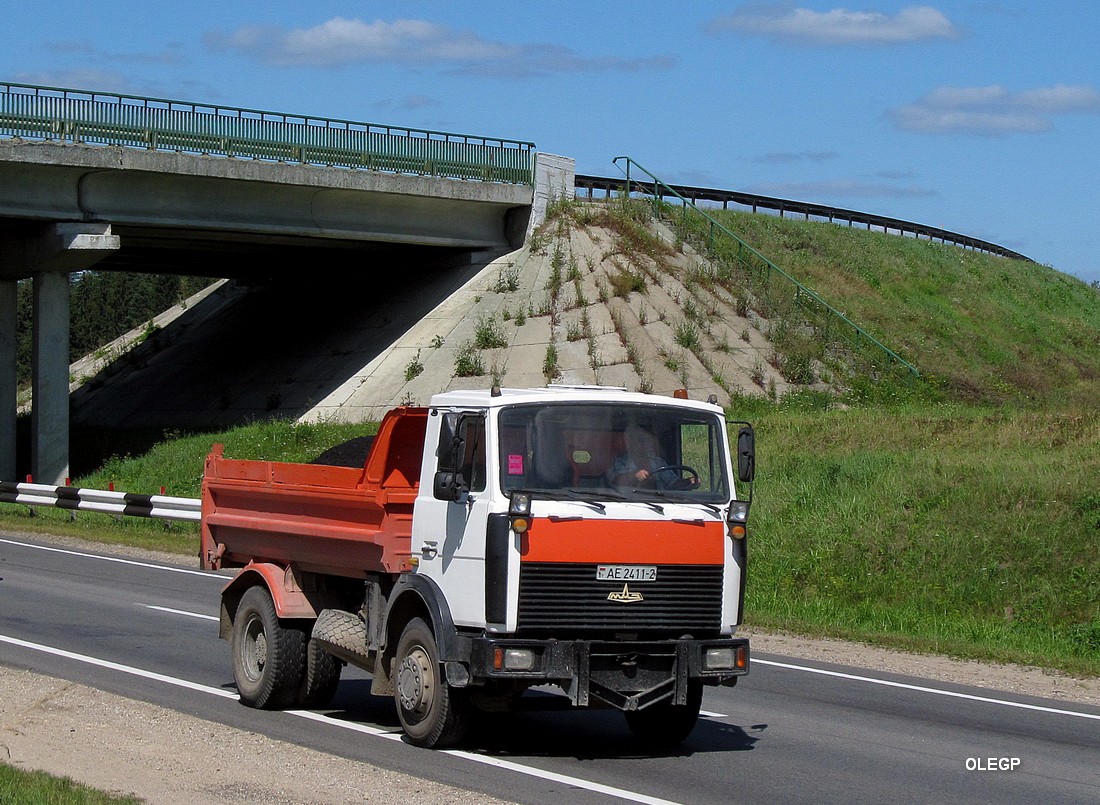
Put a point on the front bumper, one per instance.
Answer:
(628, 675)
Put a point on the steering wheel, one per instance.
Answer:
(681, 482)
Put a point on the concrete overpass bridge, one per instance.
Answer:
(158, 186)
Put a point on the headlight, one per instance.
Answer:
(725, 658)
(519, 509)
(718, 659)
(513, 659)
(519, 505)
(739, 511)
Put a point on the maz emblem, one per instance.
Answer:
(625, 596)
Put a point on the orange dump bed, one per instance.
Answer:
(336, 520)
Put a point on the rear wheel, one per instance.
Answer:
(665, 724)
(268, 658)
(432, 713)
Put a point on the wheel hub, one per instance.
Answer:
(254, 650)
(261, 650)
(415, 682)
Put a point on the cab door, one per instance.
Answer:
(449, 523)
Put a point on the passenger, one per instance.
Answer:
(636, 465)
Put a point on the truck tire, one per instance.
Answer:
(321, 677)
(432, 713)
(268, 658)
(665, 725)
(344, 636)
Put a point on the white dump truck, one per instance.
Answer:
(587, 538)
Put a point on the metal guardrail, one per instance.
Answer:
(610, 185)
(161, 507)
(80, 116)
(753, 261)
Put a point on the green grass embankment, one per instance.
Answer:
(979, 328)
(955, 529)
(958, 513)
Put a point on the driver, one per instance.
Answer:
(636, 465)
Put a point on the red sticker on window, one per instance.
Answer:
(515, 464)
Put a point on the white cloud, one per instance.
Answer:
(993, 110)
(838, 26)
(339, 42)
(1060, 99)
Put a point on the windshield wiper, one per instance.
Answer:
(672, 497)
(579, 497)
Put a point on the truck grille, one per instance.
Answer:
(568, 597)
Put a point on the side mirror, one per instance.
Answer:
(448, 485)
(746, 454)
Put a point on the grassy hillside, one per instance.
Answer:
(961, 515)
(956, 528)
(980, 328)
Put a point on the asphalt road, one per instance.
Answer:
(792, 731)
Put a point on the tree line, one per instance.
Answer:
(102, 306)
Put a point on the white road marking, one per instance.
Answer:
(184, 612)
(479, 758)
(207, 574)
(923, 689)
(114, 666)
(530, 771)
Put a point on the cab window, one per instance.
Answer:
(467, 455)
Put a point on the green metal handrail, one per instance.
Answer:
(803, 296)
(80, 116)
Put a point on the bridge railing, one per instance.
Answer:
(766, 276)
(78, 116)
(806, 209)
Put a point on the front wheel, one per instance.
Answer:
(432, 713)
(268, 658)
(665, 725)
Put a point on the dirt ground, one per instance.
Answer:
(166, 758)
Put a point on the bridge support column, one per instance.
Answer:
(50, 379)
(48, 254)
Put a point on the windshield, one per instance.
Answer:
(613, 452)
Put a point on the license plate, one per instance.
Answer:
(626, 573)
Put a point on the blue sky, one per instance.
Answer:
(979, 117)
